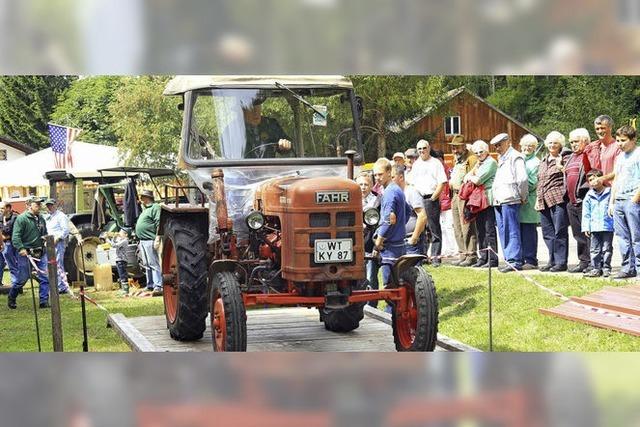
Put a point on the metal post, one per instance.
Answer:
(52, 272)
(490, 305)
(35, 308)
(85, 338)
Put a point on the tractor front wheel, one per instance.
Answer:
(228, 315)
(416, 328)
(184, 273)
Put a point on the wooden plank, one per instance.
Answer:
(608, 302)
(280, 329)
(571, 311)
(131, 335)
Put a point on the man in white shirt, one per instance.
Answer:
(510, 190)
(428, 177)
(58, 227)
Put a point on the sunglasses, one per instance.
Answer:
(421, 148)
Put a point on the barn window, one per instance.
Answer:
(452, 125)
(3, 154)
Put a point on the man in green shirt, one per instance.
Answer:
(28, 231)
(146, 231)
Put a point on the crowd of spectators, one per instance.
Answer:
(496, 194)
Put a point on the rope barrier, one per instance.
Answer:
(564, 298)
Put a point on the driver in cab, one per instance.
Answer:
(264, 135)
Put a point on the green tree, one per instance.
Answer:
(146, 123)
(390, 100)
(546, 103)
(85, 105)
(26, 103)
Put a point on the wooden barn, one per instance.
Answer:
(463, 112)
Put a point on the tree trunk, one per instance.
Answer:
(382, 140)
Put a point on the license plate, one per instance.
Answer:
(333, 250)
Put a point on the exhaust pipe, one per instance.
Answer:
(217, 179)
(350, 155)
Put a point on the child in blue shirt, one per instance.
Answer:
(598, 225)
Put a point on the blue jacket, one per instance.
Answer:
(595, 215)
(393, 200)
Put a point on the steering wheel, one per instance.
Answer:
(248, 154)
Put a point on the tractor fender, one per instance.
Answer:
(404, 263)
(222, 265)
(197, 215)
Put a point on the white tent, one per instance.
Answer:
(29, 171)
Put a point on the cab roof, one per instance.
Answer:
(181, 84)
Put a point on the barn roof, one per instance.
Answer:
(18, 146)
(447, 98)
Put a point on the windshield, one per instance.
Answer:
(236, 124)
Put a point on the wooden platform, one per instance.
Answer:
(612, 308)
(276, 329)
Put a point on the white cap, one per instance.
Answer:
(499, 138)
(398, 154)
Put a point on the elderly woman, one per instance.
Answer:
(551, 202)
(483, 173)
(529, 217)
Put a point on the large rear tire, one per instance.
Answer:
(416, 329)
(74, 254)
(184, 270)
(228, 315)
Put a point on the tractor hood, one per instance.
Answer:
(293, 194)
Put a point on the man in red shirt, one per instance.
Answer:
(603, 151)
(575, 171)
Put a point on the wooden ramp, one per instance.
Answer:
(612, 308)
(276, 329)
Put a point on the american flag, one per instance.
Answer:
(62, 138)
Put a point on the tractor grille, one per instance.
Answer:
(323, 220)
(319, 220)
(345, 219)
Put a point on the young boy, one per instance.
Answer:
(121, 243)
(598, 225)
(624, 205)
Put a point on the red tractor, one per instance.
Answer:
(280, 221)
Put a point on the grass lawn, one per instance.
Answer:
(463, 298)
(517, 324)
(17, 330)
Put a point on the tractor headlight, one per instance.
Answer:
(371, 217)
(255, 220)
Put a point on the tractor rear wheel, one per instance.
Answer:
(228, 315)
(184, 272)
(416, 328)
